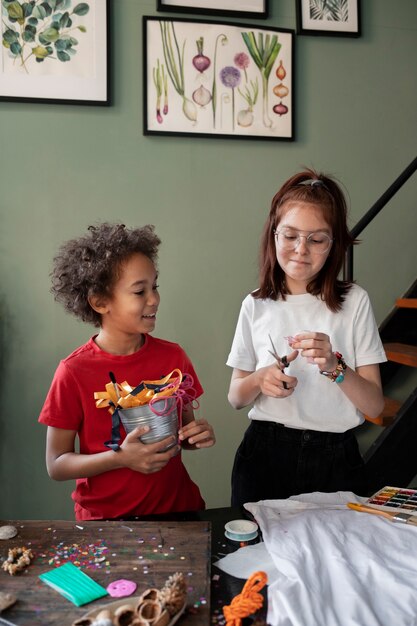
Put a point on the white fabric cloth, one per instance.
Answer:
(316, 404)
(335, 566)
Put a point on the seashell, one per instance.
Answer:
(104, 614)
(163, 620)
(150, 594)
(149, 611)
(6, 600)
(104, 621)
(8, 532)
(123, 615)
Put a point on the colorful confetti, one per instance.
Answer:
(88, 556)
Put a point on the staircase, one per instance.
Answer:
(392, 458)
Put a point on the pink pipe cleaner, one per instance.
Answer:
(185, 394)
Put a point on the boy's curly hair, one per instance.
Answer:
(90, 265)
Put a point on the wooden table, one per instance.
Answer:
(147, 552)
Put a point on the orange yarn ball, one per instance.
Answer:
(246, 602)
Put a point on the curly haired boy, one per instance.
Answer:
(108, 278)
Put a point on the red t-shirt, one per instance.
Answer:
(70, 404)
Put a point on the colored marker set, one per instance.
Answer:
(395, 499)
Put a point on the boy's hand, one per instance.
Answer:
(197, 434)
(146, 458)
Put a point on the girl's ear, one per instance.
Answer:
(98, 303)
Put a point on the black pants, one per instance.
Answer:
(275, 462)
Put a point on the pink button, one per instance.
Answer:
(121, 588)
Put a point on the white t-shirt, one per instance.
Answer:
(317, 403)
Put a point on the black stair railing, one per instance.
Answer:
(373, 212)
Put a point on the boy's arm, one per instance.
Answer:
(194, 433)
(63, 463)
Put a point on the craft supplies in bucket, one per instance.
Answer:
(153, 403)
(161, 417)
(241, 530)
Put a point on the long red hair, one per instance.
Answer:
(325, 193)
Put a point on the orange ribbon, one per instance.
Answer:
(246, 602)
(128, 400)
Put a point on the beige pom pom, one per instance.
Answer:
(173, 593)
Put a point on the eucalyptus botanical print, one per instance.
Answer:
(333, 10)
(42, 31)
(216, 78)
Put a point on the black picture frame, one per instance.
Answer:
(209, 84)
(339, 18)
(211, 7)
(82, 39)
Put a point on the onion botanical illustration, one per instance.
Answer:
(201, 96)
(281, 71)
(242, 61)
(281, 90)
(280, 109)
(174, 60)
(200, 61)
(264, 53)
(231, 77)
(245, 116)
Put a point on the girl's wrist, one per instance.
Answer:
(336, 375)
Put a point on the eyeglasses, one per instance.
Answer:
(289, 239)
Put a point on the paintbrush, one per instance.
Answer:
(116, 388)
(402, 518)
(6, 622)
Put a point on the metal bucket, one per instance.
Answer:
(160, 426)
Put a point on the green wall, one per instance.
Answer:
(64, 167)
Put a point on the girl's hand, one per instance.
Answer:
(197, 434)
(317, 348)
(146, 458)
(273, 381)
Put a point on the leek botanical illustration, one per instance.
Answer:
(174, 60)
(264, 54)
(214, 89)
(160, 80)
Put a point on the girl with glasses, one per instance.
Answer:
(304, 405)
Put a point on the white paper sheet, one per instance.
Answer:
(245, 561)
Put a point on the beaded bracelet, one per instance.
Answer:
(337, 376)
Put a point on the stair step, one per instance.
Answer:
(406, 303)
(388, 414)
(401, 353)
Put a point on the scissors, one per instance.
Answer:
(282, 362)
